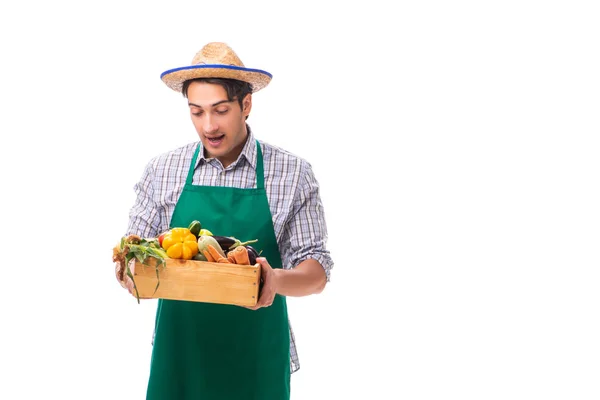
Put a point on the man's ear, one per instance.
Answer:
(247, 104)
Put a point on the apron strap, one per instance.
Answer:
(260, 175)
(190, 175)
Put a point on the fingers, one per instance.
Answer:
(129, 281)
(266, 297)
(132, 266)
(263, 262)
(121, 275)
(265, 300)
(266, 303)
(129, 285)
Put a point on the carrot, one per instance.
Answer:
(209, 258)
(231, 257)
(240, 254)
(216, 256)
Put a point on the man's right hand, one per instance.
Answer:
(126, 282)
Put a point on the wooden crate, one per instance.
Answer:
(200, 281)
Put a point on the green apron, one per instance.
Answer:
(205, 351)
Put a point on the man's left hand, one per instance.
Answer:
(269, 289)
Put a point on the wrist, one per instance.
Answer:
(277, 278)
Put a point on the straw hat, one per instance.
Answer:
(216, 60)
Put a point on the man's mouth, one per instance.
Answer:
(216, 140)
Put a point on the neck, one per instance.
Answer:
(228, 159)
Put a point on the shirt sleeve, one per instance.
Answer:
(305, 233)
(144, 216)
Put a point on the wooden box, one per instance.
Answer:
(200, 281)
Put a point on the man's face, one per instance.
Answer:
(220, 123)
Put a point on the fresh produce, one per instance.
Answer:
(191, 243)
(213, 255)
(180, 243)
(199, 257)
(240, 255)
(231, 257)
(161, 237)
(252, 254)
(205, 241)
(146, 251)
(230, 242)
(195, 227)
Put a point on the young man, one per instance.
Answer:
(245, 188)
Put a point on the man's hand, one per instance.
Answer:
(127, 283)
(269, 289)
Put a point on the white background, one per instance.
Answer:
(455, 144)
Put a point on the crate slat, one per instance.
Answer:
(199, 281)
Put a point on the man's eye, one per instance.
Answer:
(222, 111)
(197, 113)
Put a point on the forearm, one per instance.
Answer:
(144, 217)
(305, 279)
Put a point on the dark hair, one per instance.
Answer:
(235, 89)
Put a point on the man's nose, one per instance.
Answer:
(210, 124)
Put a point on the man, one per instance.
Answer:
(241, 187)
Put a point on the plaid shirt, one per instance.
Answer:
(292, 192)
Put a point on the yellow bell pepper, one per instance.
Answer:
(180, 243)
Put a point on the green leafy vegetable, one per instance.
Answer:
(147, 251)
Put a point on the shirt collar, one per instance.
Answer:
(248, 151)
